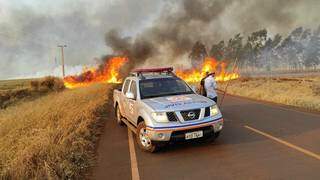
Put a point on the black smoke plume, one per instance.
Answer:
(182, 23)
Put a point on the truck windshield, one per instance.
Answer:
(151, 88)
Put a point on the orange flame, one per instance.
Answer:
(209, 65)
(109, 73)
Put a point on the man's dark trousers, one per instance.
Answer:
(215, 99)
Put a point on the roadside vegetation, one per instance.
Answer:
(13, 91)
(53, 136)
(301, 92)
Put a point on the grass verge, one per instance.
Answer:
(52, 137)
(301, 92)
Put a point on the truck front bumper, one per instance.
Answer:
(178, 132)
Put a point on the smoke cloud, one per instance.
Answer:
(156, 32)
(30, 31)
(182, 23)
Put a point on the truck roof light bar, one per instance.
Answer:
(159, 70)
(140, 72)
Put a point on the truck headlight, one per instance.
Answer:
(214, 110)
(160, 117)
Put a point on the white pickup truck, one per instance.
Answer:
(160, 107)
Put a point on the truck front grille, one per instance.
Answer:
(172, 116)
(190, 115)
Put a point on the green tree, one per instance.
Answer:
(234, 48)
(197, 54)
(269, 51)
(252, 49)
(312, 50)
(217, 51)
(291, 49)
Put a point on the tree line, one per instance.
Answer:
(299, 50)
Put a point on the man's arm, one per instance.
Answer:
(214, 84)
(208, 84)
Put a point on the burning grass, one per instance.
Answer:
(53, 136)
(301, 92)
(13, 91)
(106, 73)
(209, 65)
(109, 72)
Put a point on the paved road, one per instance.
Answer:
(259, 141)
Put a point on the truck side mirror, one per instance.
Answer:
(129, 95)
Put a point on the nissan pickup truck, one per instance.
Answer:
(159, 108)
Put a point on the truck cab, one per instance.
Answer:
(160, 107)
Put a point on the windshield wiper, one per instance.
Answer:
(177, 93)
(169, 94)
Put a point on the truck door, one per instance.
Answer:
(123, 99)
(132, 103)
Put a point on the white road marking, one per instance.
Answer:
(300, 149)
(275, 105)
(133, 157)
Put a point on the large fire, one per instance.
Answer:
(209, 65)
(109, 73)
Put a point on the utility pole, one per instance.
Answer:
(62, 58)
(228, 82)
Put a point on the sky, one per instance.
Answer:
(30, 30)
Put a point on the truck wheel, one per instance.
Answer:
(213, 137)
(216, 135)
(119, 116)
(143, 140)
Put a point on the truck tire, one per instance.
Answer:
(143, 140)
(119, 116)
(213, 137)
(216, 135)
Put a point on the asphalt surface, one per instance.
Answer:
(259, 141)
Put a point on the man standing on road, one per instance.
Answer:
(210, 87)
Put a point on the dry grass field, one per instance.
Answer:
(16, 91)
(15, 84)
(53, 136)
(301, 92)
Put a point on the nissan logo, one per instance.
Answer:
(191, 115)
